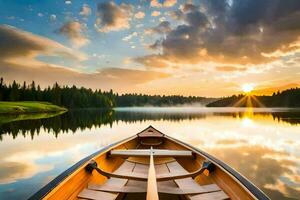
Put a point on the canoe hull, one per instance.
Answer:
(69, 184)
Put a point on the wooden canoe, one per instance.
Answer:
(150, 165)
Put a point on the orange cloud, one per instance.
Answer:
(139, 15)
(230, 68)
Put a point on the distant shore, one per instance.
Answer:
(23, 107)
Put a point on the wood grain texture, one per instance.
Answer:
(147, 152)
(152, 193)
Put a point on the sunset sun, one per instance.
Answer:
(247, 88)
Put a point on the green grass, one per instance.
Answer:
(22, 107)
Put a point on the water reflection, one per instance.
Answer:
(263, 145)
(73, 121)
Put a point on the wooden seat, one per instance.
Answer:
(184, 186)
(143, 177)
(173, 171)
(88, 193)
(188, 183)
(147, 152)
(161, 189)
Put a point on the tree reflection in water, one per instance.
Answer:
(73, 120)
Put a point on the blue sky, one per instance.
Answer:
(155, 47)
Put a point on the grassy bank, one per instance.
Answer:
(21, 107)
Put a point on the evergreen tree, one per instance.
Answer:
(14, 92)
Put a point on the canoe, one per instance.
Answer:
(150, 165)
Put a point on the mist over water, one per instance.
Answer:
(264, 142)
(201, 109)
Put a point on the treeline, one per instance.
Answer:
(129, 100)
(286, 98)
(70, 97)
(75, 97)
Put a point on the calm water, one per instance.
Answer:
(263, 145)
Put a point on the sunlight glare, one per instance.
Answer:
(247, 122)
(247, 88)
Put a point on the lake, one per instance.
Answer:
(262, 144)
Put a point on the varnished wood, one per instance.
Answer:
(221, 183)
(188, 183)
(152, 193)
(150, 132)
(220, 195)
(78, 180)
(147, 152)
(157, 161)
(161, 189)
(96, 195)
(144, 177)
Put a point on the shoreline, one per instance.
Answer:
(28, 107)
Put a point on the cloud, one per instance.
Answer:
(152, 61)
(156, 45)
(85, 10)
(251, 160)
(169, 3)
(155, 13)
(176, 14)
(113, 17)
(188, 7)
(161, 28)
(18, 52)
(230, 68)
(242, 32)
(74, 31)
(10, 172)
(139, 15)
(129, 37)
(15, 43)
(52, 17)
(155, 3)
(107, 78)
(131, 75)
(165, 3)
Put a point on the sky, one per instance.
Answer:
(167, 47)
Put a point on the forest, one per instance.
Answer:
(69, 97)
(80, 97)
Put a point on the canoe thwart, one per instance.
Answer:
(148, 152)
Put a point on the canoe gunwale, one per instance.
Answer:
(248, 185)
(44, 191)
